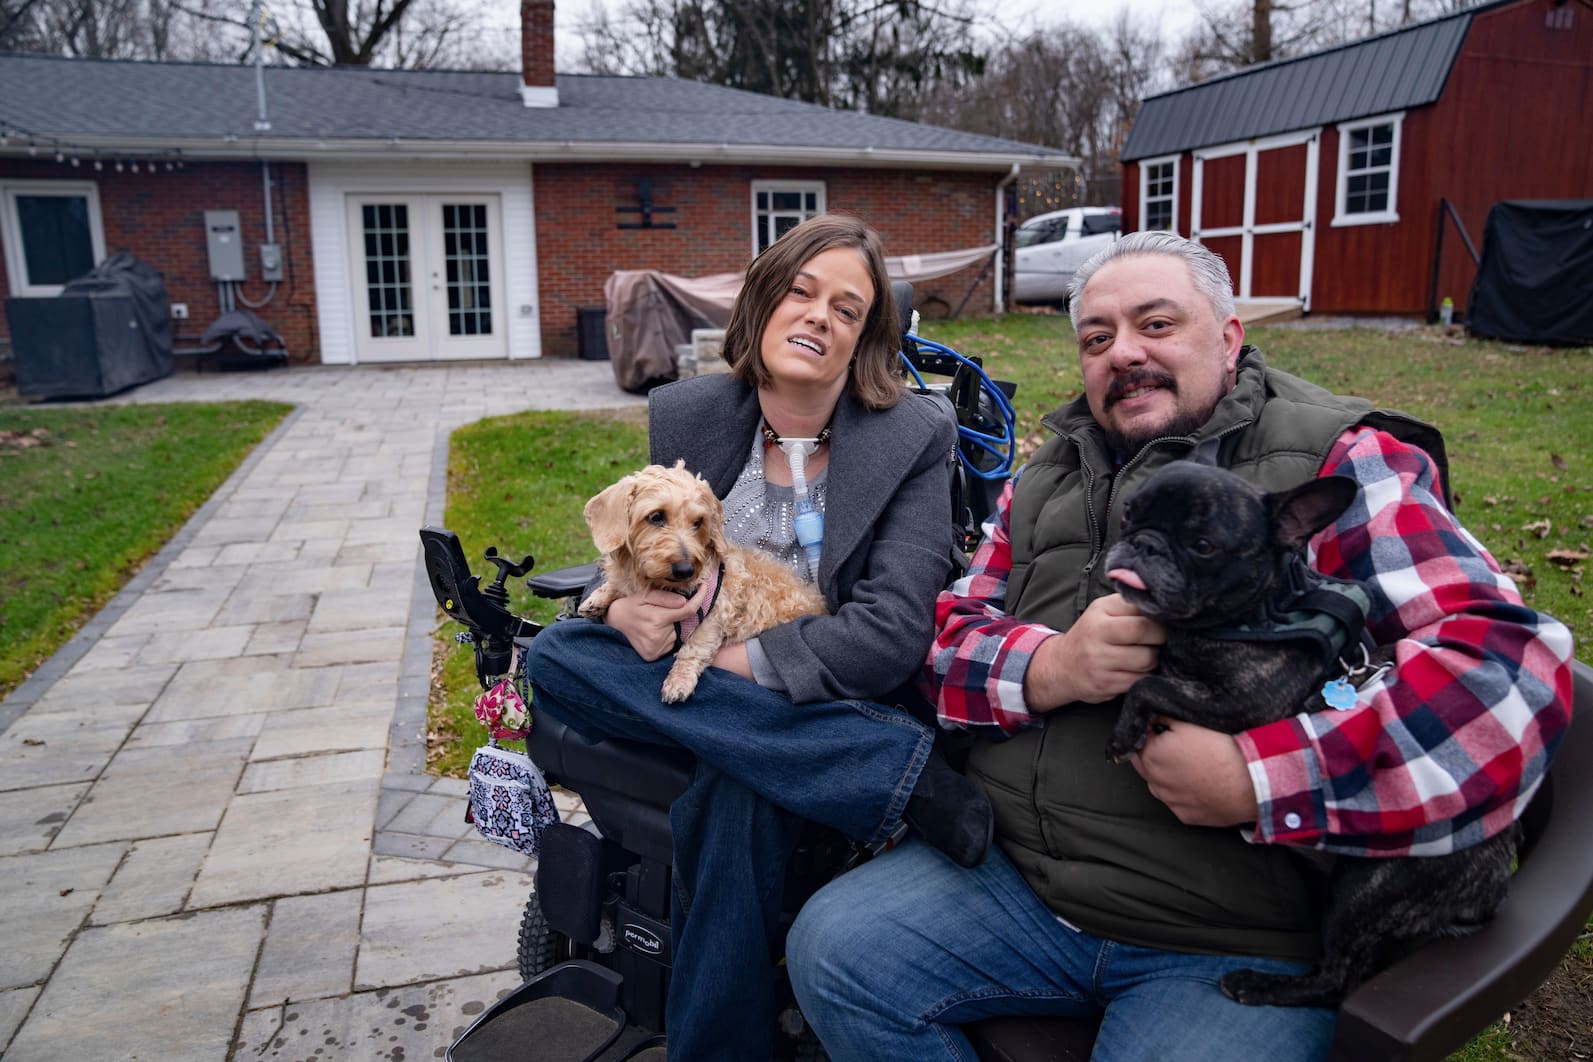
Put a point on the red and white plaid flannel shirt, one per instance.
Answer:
(1444, 750)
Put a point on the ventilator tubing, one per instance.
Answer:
(808, 522)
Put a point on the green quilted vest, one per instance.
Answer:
(1085, 833)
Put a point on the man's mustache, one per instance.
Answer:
(1139, 378)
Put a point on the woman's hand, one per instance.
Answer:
(648, 619)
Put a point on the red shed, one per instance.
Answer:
(1350, 180)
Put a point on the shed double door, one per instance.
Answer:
(428, 277)
(1254, 203)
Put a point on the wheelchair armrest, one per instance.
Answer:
(563, 582)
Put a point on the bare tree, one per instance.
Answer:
(873, 55)
(1242, 33)
(393, 33)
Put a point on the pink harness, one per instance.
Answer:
(685, 627)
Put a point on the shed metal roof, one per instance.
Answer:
(211, 109)
(1393, 71)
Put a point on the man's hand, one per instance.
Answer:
(648, 619)
(1199, 774)
(1110, 647)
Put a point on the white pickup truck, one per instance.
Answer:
(1049, 247)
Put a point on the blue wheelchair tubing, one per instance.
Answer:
(1003, 446)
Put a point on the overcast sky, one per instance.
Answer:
(1175, 17)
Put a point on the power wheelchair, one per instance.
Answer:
(594, 937)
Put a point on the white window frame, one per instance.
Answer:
(11, 228)
(817, 187)
(1341, 215)
(1144, 189)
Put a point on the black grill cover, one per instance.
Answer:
(107, 331)
(1535, 282)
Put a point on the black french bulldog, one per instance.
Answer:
(1204, 552)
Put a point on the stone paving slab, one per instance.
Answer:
(159, 790)
(439, 928)
(201, 690)
(309, 948)
(13, 1005)
(47, 896)
(325, 648)
(29, 818)
(191, 973)
(186, 731)
(415, 1023)
(153, 880)
(342, 727)
(298, 771)
(288, 842)
(51, 749)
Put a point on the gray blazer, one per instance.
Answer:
(888, 532)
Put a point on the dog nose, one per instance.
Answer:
(680, 571)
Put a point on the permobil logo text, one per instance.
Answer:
(642, 940)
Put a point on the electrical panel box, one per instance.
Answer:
(271, 262)
(224, 245)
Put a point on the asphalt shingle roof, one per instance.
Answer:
(1390, 72)
(49, 98)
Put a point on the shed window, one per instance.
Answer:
(52, 234)
(1368, 178)
(1158, 194)
(779, 206)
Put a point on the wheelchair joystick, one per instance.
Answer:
(506, 569)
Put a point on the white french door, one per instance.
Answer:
(428, 276)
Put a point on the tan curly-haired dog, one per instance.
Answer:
(663, 529)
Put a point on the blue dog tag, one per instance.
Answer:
(1338, 693)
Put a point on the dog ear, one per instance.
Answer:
(716, 521)
(1300, 513)
(608, 515)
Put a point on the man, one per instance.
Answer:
(1129, 893)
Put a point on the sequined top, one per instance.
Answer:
(758, 514)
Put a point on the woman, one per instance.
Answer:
(782, 725)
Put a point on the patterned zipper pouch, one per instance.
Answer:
(510, 803)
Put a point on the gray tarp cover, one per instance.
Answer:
(1535, 281)
(649, 313)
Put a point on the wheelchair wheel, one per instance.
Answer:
(541, 947)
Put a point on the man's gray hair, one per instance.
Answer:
(1206, 269)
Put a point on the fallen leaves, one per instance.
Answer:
(24, 440)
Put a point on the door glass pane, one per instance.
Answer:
(387, 269)
(56, 243)
(467, 269)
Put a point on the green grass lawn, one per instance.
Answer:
(87, 494)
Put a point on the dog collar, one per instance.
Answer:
(687, 626)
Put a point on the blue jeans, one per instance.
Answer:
(890, 958)
(764, 764)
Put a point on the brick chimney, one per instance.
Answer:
(536, 54)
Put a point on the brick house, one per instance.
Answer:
(418, 215)
(1350, 180)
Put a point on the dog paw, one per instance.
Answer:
(1256, 989)
(1119, 748)
(1250, 987)
(678, 687)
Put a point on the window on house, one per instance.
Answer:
(1158, 194)
(52, 233)
(779, 206)
(1368, 177)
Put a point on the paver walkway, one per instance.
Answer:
(217, 840)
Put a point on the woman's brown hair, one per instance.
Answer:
(875, 374)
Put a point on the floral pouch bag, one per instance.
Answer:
(510, 803)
